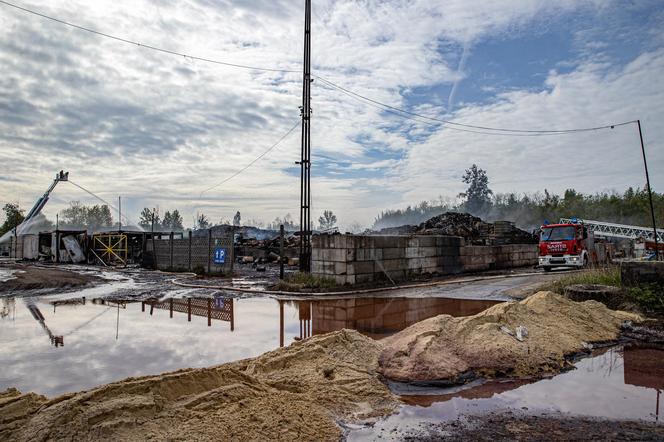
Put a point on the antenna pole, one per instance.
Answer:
(652, 209)
(305, 163)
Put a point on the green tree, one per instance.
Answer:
(176, 221)
(13, 217)
(74, 216)
(98, 216)
(145, 220)
(327, 220)
(478, 194)
(167, 222)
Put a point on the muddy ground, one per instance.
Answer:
(519, 427)
(32, 277)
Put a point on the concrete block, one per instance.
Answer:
(364, 277)
(394, 253)
(360, 267)
(427, 241)
(340, 268)
(451, 251)
(381, 242)
(638, 273)
(340, 279)
(391, 264)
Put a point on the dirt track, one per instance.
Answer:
(31, 277)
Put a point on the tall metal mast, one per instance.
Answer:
(305, 163)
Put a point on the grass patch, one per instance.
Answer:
(305, 281)
(607, 276)
(649, 298)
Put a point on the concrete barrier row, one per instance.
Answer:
(352, 259)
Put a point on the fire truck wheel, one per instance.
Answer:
(547, 269)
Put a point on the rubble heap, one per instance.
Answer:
(472, 228)
(455, 224)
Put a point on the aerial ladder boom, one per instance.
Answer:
(614, 230)
(41, 202)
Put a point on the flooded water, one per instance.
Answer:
(621, 383)
(58, 344)
(7, 274)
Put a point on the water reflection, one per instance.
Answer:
(98, 340)
(378, 317)
(616, 384)
(644, 367)
(220, 309)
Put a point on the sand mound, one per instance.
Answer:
(453, 349)
(292, 393)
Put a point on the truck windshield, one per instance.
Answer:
(557, 233)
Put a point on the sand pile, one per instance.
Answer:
(297, 392)
(456, 349)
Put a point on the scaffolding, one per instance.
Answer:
(110, 248)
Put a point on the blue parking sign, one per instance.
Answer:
(219, 255)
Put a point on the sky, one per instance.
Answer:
(159, 129)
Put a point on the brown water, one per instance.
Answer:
(620, 383)
(58, 344)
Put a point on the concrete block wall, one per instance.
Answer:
(355, 259)
(479, 258)
(640, 273)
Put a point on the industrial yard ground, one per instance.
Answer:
(464, 376)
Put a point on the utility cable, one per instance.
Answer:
(472, 126)
(143, 45)
(417, 119)
(103, 201)
(283, 137)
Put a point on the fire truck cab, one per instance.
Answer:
(564, 245)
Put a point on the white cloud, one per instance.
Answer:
(159, 129)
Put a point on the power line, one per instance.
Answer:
(472, 126)
(143, 45)
(283, 137)
(417, 119)
(392, 109)
(129, 221)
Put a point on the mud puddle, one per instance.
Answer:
(619, 384)
(64, 343)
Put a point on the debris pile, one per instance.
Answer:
(524, 338)
(456, 224)
(472, 228)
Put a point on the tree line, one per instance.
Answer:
(530, 210)
(171, 222)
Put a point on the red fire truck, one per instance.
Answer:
(565, 245)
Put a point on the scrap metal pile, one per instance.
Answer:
(473, 229)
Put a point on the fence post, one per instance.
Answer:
(281, 254)
(170, 243)
(190, 250)
(209, 257)
(232, 249)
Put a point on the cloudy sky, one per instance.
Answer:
(159, 129)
